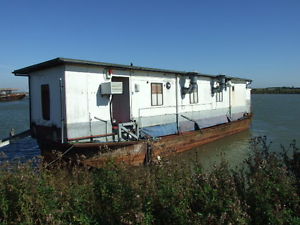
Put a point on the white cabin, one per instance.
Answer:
(72, 100)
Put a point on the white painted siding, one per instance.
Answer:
(85, 105)
(84, 101)
(51, 77)
(141, 101)
(239, 94)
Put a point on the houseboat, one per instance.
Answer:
(9, 94)
(129, 113)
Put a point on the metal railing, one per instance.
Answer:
(128, 131)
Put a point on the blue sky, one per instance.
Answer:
(254, 39)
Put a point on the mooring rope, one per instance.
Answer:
(65, 152)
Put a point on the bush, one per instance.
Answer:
(272, 191)
(215, 198)
(265, 190)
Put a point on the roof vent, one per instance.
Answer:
(221, 81)
(193, 84)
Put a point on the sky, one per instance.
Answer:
(257, 39)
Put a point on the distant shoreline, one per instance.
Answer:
(276, 90)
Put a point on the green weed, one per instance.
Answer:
(264, 190)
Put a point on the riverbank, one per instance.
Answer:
(276, 90)
(264, 190)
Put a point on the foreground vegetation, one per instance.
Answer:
(264, 190)
(276, 90)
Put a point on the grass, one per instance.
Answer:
(264, 190)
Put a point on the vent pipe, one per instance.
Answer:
(192, 86)
(221, 84)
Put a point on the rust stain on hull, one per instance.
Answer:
(135, 153)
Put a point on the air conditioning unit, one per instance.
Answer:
(111, 88)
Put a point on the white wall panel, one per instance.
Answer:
(83, 98)
(51, 77)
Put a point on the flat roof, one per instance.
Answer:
(66, 61)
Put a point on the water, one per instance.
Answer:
(15, 115)
(276, 116)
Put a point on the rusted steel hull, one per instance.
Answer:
(11, 97)
(136, 153)
(139, 152)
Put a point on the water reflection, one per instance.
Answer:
(21, 150)
(275, 116)
(234, 149)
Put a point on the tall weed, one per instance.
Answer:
(264, 190)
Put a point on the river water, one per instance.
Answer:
(15, 115)
(275, 116)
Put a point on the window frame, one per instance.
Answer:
(157, 94)
(220, 96)
(45, 101)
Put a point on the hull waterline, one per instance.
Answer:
(11, 97)
(141, 152)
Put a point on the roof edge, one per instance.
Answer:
(39, 66)
(60, 61)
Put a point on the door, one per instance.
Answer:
(121, 102)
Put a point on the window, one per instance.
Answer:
(45, 98)
(156, 94)
(219, 96)
(194, 95)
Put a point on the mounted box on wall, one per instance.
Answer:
(111, 88)
(137, 87)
